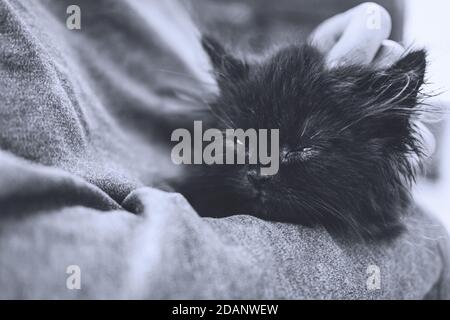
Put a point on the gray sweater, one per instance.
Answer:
(82, 118)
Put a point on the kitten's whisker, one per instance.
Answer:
(305, 127)
(351, 222)
(316, 134)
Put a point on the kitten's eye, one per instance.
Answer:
(302, 154)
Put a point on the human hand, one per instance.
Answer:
(360, 36)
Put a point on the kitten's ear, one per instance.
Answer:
(401, 83)
(226, 65)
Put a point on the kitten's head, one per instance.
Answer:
(345, 136)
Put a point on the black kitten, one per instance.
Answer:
(345, 134)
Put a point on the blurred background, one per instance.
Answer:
(254, 25)
(426, 25)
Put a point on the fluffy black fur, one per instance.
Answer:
(345, 134)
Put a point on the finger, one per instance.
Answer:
(389, 53)
(369, 26)
(328, 33)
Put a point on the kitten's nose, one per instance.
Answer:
(255, 177)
